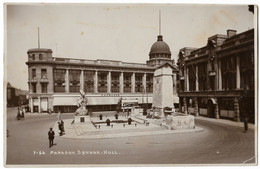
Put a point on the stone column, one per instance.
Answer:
(216, 109)
(196, 107)
(121, 82)
(144, 83)
(82, 80)
(31, 104)
(133, 83)
(39, 104)
(67, 81)
(236, 110)
(96, 82)
(185, 105)
(197, 83)
(219, 75)
(187, 78)
(238, 72)
(109, 82)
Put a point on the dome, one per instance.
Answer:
(160, 47)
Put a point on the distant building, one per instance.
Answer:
(54, 83)
(15, 97)
(217, 80)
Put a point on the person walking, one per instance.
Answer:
(60, 128)
(245, 123)
(51, 137)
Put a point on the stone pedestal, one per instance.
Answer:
(82, 119)
(179, 121)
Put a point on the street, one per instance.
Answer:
(27, 143)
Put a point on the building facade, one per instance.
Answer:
(217, 80)
(54, 83)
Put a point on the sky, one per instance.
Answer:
(123, 32)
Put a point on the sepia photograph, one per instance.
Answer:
(130, 84)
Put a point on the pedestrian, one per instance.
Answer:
(245, 124)
(60, 128)
(51, 137)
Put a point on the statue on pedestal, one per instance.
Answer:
(82, 102)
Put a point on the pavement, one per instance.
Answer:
(228, 122)
(137, 128)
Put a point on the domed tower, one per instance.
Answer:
(160, 53)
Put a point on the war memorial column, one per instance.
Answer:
(121, 82)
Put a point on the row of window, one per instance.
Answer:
(43, 73)
(33, 57)
(229, 76)
(44, 87)
(89, 78)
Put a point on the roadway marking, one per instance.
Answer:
(248, 160)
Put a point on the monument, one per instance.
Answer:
(163, 100)
(163, 89)
(81, 114)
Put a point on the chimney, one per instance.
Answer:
(231, 33)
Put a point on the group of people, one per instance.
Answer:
(20, 113)
(61, 127)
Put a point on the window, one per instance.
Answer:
(192, 78)
(115, 82)
(127, 83)
(202, 76)
(149, 83)
(59, 80)
(44, 87)
(102, 82)
(40, 56)
(34, 87)
(44, 73)
(74, 78)
(89, 81)
(33, 56)
(138, 83)
(33, 73)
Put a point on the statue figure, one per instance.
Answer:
(82, 102)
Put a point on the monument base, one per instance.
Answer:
(176, 122)
(82, 119)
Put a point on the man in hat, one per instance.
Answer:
(51, 137)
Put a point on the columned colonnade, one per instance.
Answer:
(217, 88)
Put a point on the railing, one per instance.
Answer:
(100, 62)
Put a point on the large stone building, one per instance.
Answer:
(217, 80)
(54, 83)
